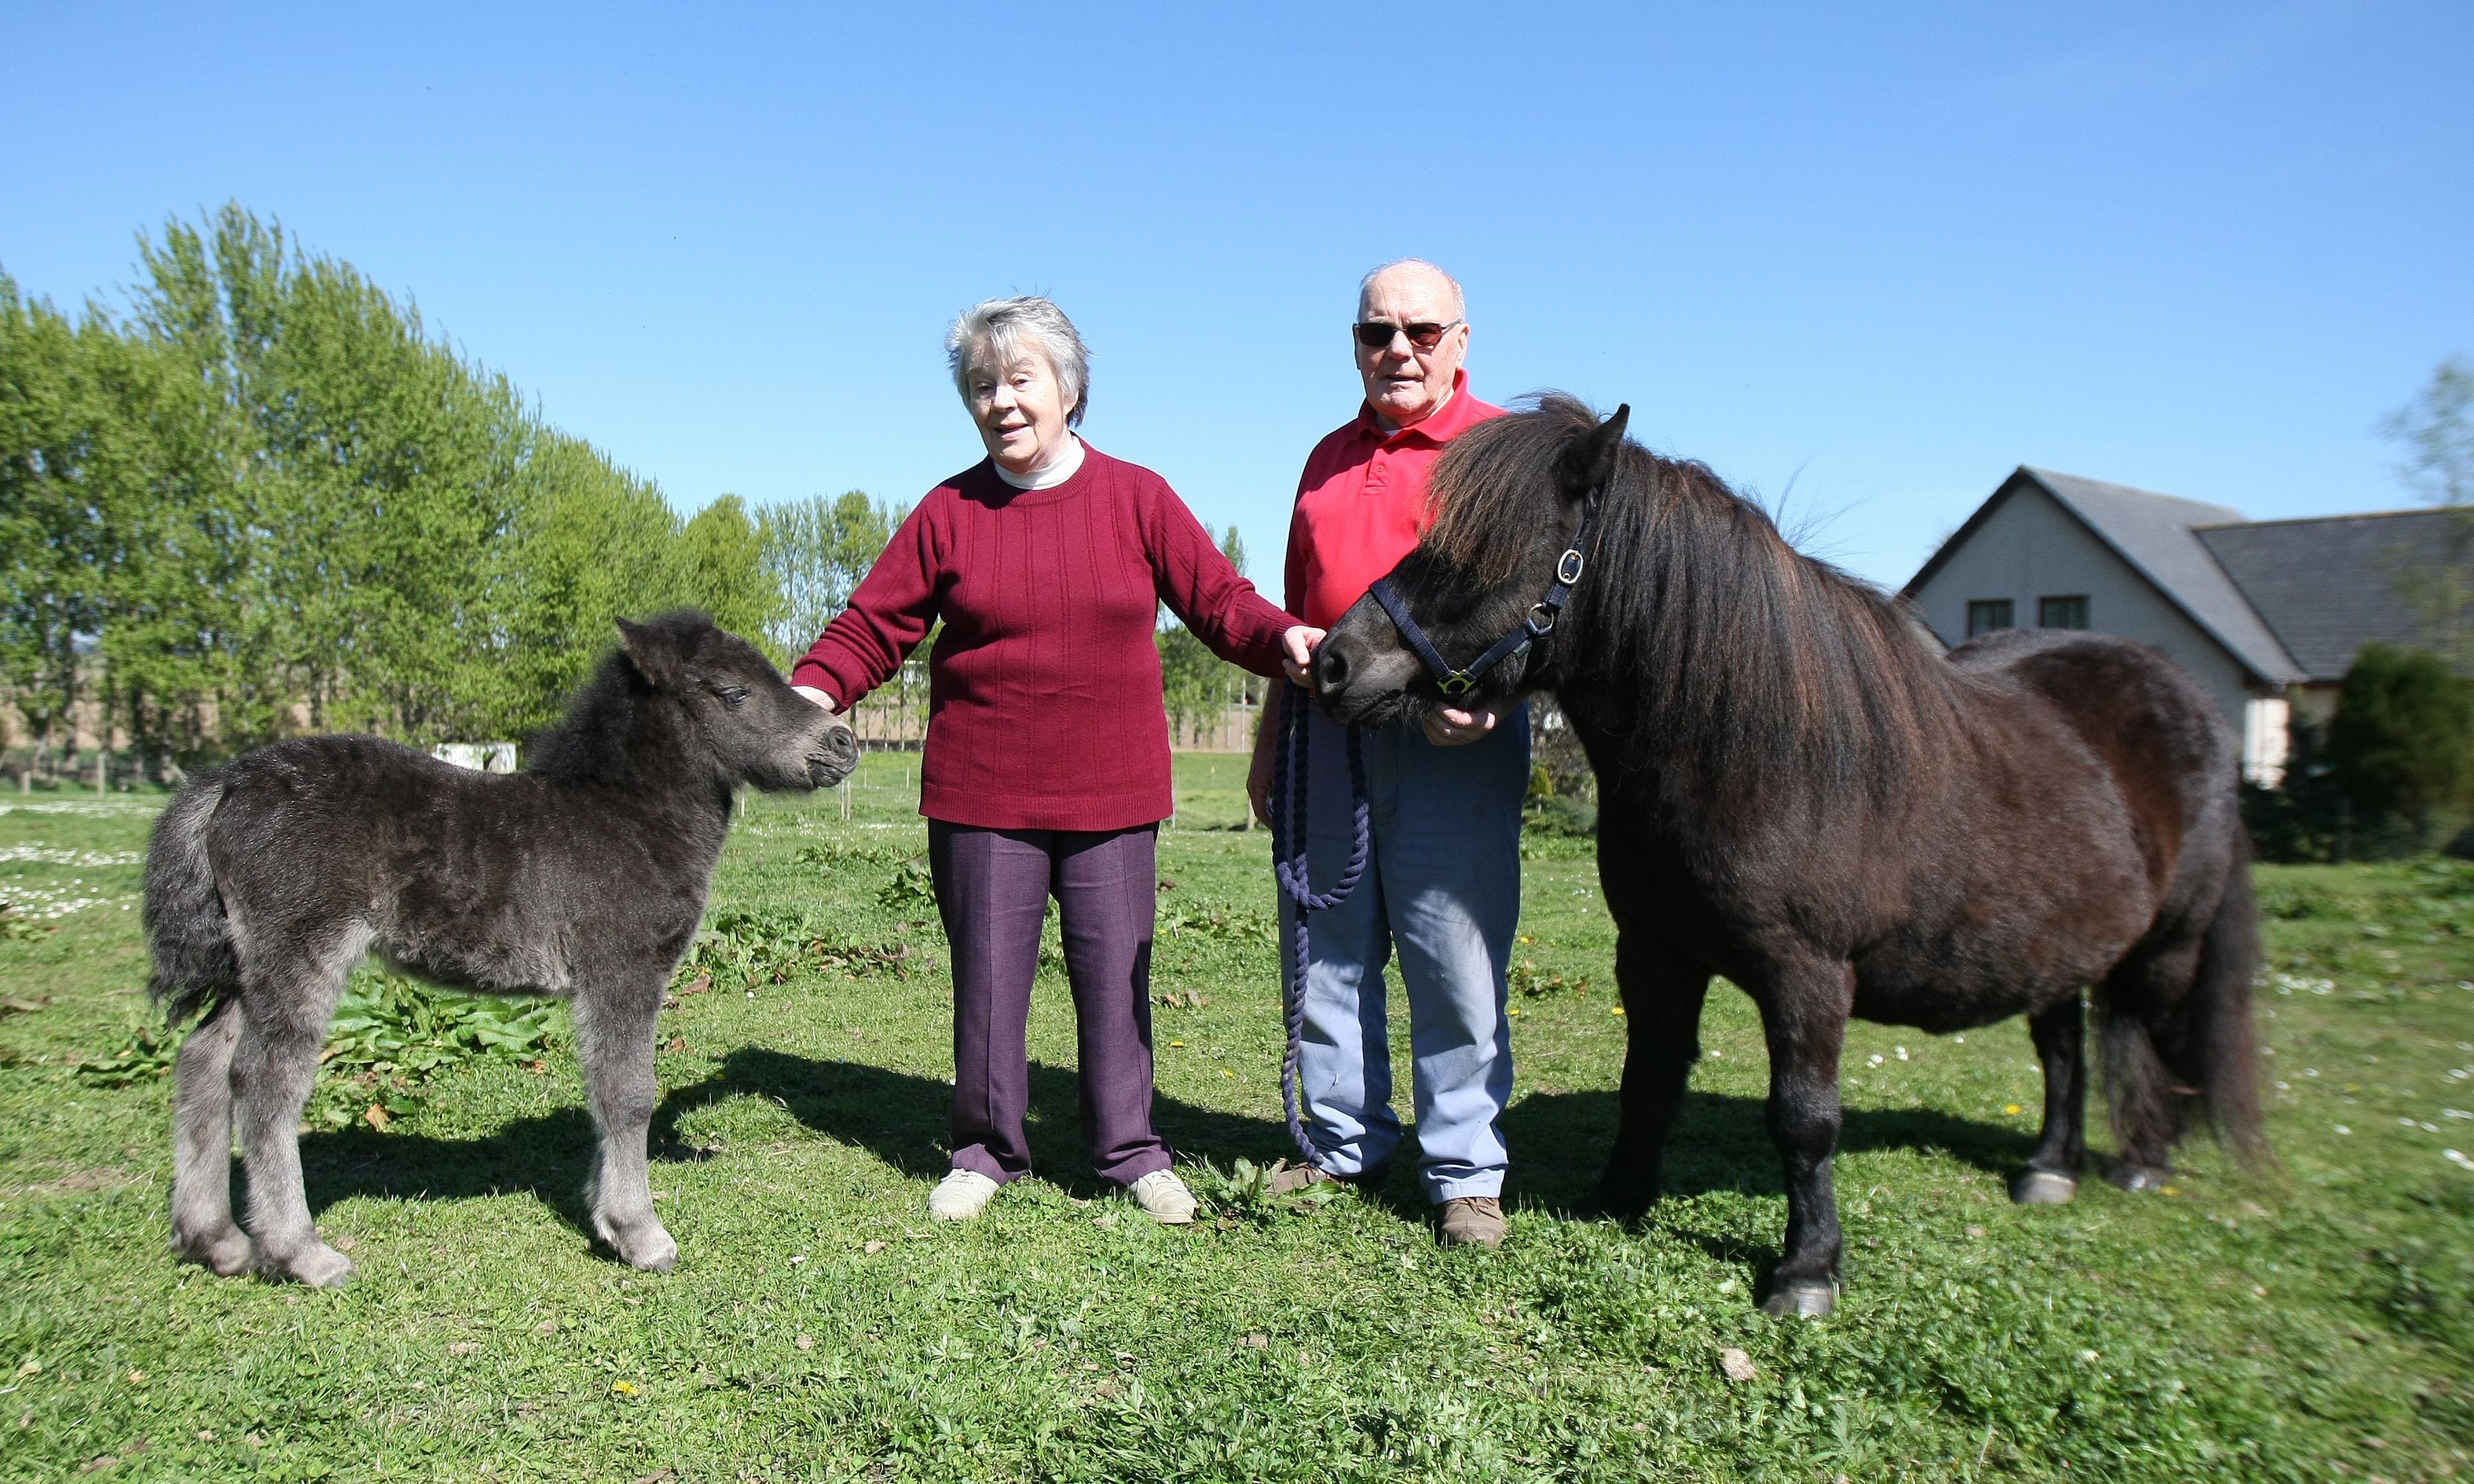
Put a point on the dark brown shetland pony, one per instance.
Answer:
(1798, 793)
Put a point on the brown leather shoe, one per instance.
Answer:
(1470, 1221)
(1287, 1179)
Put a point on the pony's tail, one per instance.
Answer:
(195, 963)
(2168, 1058)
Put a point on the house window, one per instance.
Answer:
(1985, 615)
(2062, 612)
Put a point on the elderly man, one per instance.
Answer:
(1442, 886)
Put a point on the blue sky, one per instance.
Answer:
(1877, 257)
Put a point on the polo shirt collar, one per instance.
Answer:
(1448, 421)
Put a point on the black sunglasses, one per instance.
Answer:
(1375, 335)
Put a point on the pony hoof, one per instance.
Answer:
(1804, 1300)
(2043, 1187)
(2137, 1178)
(319, 1267)
(646, 1248)
(226, 1253)
(656, 1256)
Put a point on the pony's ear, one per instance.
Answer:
(654, 652)
(1589, 461)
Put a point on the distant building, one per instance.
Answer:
(2267, 614)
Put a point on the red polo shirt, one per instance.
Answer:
(1362, 503)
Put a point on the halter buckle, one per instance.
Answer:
(1457, 682)
(1568, 568)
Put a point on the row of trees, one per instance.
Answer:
(264, 498)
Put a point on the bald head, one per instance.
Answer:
(1406, 381)
(1415, 274)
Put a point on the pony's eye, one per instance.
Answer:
(734, 695)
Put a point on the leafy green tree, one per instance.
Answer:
(269, 498)
(2402, 740)
(816, 550)
(726, 571)
(1196, 685)
(50, 515)
(2437, 430)
(588, 545)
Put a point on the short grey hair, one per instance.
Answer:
(1459, 301)
(1000, 332)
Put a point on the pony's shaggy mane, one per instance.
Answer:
(1764, 664)
(592, 739)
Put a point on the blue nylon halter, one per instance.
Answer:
(1540, 623)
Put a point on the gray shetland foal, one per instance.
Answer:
(582, 876)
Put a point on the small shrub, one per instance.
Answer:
(840, 853)
(1217, 923)
(147, 1053)
(747, 948)
(1560, 818)
(1526, 980)
(2424, 1287)
(913, 887)
(2402, 741)
(1243, 1191)
(17, 927)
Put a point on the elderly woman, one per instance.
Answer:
(1045, 769)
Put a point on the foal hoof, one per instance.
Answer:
(1804, 1300)
(647, 1248)
(655, 1256)
(2136, 1178)
(2043, 1187)
(224, 1254)
(318, 1265)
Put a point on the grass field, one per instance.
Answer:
(2315, 1324)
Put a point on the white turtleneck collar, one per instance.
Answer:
(1048, 477)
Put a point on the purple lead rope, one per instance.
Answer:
(1290, 865)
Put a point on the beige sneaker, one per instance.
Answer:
(962, 1196)
(1470, 1221)
(1163, 1198)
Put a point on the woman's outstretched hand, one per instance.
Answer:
(1298, 648)
(820, 697)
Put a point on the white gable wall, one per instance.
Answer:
(2030, 549)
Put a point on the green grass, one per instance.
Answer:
(2315, 1324)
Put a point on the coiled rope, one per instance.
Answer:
(1290, 865)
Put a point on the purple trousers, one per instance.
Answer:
(992, 891)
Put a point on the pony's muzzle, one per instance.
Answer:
(835, 758)
(1360, 672)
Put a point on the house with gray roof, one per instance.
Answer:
(2267, 614)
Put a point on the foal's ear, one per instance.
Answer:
(654, 652)
(1589, 461)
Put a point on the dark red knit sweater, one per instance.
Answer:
(1044, 691)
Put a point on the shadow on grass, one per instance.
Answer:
(549, 1158)
(1558, 1140)
(1558, 1144)
(901, 1118)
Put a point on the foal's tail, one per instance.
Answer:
(2168, 1057)
(195, 963)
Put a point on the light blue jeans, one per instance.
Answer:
(1442, 888)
